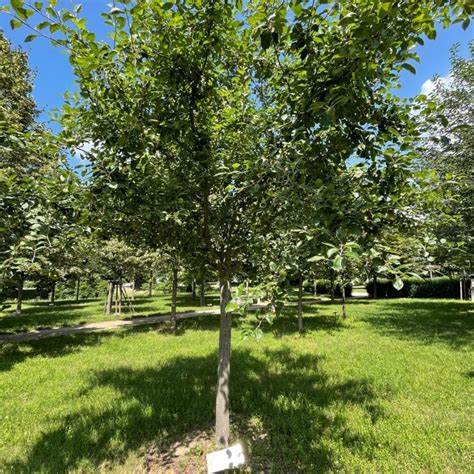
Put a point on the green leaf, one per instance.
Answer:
(30, 38)
(316, 258)
(409, 67)
(331, 251)
(19, 8)
(398, 284)
(337, 263)
(466, 23)
(14, 24)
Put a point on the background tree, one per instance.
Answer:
(447, 121)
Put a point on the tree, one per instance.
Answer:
(447, 120)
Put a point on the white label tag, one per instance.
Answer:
(225, 459)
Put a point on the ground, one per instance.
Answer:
(390, 389)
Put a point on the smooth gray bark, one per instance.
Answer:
(53, 293)
(110, 298)
(343, 302)
(223, 368)
(174, 292)
(202, 301)
(300, 303)
(19, 294)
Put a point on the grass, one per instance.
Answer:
(69, 313)
(389, 390)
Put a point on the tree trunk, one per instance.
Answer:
(78, 285)
(120, 292)
(19, 294)
(53, 293)
(332, 287)
(174, 292)
(223, 369)
(193, 288)
(300, 302)
(343, 302)
(315, 288)
(202, 289)
(132, 297)
(110, 298)
(375, 287)
(150, 287)
(116, 287)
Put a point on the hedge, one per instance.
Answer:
(324, 287)
(440, 287)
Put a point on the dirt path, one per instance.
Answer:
(106, 325)
(102, 326)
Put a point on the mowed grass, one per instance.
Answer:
(390, 390)
(42, 315)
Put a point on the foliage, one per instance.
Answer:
(447, 122)
(439, 287)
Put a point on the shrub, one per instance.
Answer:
(441, 287)
(323, 286)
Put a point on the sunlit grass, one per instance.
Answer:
(389, 390)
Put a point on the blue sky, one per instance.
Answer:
(54, 77)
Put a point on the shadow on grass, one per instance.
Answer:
(15, 353)
(428, 322)
(289, 394)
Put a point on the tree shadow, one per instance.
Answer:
(427, 322)
(15, 353)
(299, 406)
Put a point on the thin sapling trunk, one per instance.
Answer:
(78, 286)
(343, 302)
(300, 303)
(19, 294)
(174, 292)
(202, 301)
(223, 369)
(53, 293)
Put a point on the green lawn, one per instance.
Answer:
(389, 390)
(68, 313)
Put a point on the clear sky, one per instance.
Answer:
(54, 76)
